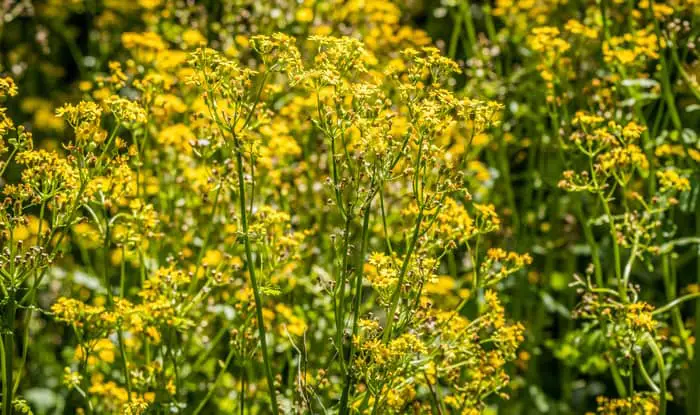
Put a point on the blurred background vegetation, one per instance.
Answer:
(55, 50)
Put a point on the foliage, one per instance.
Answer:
(349, 207)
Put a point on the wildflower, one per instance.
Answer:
(71, 379)
(85, 119)
(499, 264)
(576, 27)
(627, 157)
(193, 38)
(630, 50)
(633, 131)
(144, 46)
(487, 219)
(279, 52)
(337, 56)
(671, 181)
(639, 403)
(126, 111)
(8, 87)
(304, 15)
(179, 137)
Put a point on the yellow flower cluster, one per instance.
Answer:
(336, 206)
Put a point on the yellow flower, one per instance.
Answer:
(441, 286)
(212, 257)
(143, 46)
(304, 15)
(102, 350)
(177, 136)
(193, 38)
(670, 180)
(7, 87)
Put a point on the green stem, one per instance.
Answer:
(207, 237)
(241, 402)
(110, 299)
(670, 286)
(356, 309)
(666, 79)
(404, 267)
(590, 239)
(340, 284)
(386, 229)
(684, 75)
(8, 340)
(122, 273)
(662, 372)
(7, 162)
(645, 374)
(25, 349)
(619, 384)
(2, 368)
(507, 181)
(613, 236)
(254, 282)
(217, 338)
(695, 389)
(604, 18)
(630, 264)
(454, 38)
(675, 302)
(29, 311)
(213, 387)
(125, 363)
(466, 9)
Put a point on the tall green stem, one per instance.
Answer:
(404, 267)
(695, 389)
(454, 38)
(356, 310)
(666, 86)
(340, 284)
(466, 9)
(9, 350)
(110, 299)
(670, 286)
(250, 265)
(662, 373)
(213, 387)
(622, 287)
(590, 239)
